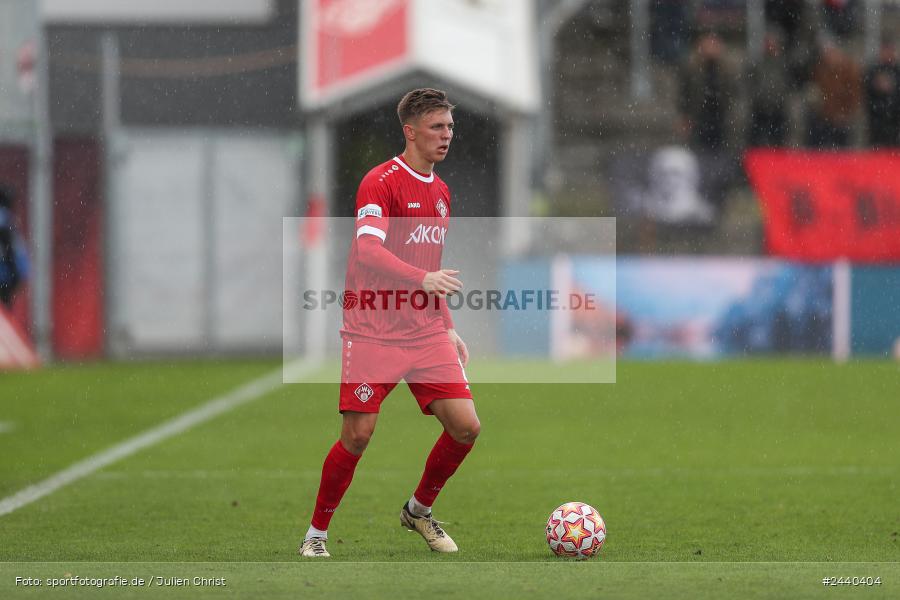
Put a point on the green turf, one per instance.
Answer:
(704, 464)
(65, 413)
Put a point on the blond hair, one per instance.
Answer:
(420, 102)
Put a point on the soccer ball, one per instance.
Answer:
(576, 529)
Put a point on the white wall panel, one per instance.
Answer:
(157, 258)
(195, 256)
(255, 187)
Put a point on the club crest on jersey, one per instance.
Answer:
(441, 207)
(427, 234)
(364, 392)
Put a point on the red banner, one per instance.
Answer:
(821, 206)
(78, 314)
(354, 41)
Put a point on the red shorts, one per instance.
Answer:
(370, 371)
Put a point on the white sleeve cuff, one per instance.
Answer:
(371, 231)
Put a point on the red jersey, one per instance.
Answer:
(410, 213)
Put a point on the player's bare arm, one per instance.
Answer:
(375, 256)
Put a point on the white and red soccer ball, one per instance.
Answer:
(576, 529)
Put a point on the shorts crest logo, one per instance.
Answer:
(441, 207)
(364, 392)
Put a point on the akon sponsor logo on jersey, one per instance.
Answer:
(427, 234)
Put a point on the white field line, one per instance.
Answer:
(211, 409)
(6, 426)
(650, 472)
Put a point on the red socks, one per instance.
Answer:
(445, 458)
(337, 473)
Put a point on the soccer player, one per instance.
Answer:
(402, 215)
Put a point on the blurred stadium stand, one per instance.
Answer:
(593, 60)
(608, 138)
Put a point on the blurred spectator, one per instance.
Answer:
(717, 14)
(834, 97)
(768, 86)
(840, 16)
(793, 19)
(882, 84)
(13, 262)
(673, 193)
(707, 89)
(788, 15)
(670, 30)
(672, 185)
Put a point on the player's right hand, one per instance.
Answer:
(442, 282)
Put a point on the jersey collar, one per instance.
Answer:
(413, 172)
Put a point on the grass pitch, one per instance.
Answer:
(748, 479)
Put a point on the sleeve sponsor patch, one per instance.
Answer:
(369, 210)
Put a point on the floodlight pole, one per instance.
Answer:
(110, 86)
(756, 29)
(872, 28)
(641, 82)
(41, 198)
(319, 178)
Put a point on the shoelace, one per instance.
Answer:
(317, 545)
(435, 525)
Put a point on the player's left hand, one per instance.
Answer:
(460, 346)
